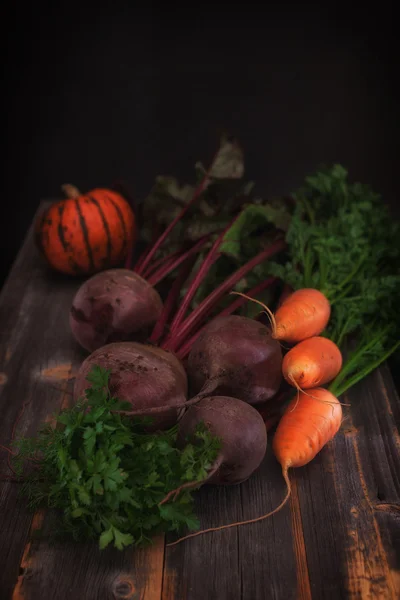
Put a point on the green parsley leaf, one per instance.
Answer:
(106, 476)
(106, 538)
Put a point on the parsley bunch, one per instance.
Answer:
(342, 241)
(106, 475)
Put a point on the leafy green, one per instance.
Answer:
(342, 241)
(106, 475)
(221, 198)
(253, 230)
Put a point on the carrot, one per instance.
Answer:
(302, 315)
(312, 362)
(309, 422)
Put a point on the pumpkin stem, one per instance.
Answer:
(70, 191)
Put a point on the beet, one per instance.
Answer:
(112, 306)
(242, 433)
(235, 356)
(144, 376)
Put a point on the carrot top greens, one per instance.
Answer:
(106, 475)
(342, 241)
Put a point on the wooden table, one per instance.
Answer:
(339, 537)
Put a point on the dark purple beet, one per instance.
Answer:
(144, 376)
(112, 306)
(236, 356)
(241, 430)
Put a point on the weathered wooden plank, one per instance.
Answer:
(66, 570)
(207, 566)
(15, 520)
(269, 559)
(350, 501)
(254, 561)
(37, 355)
(33, 316)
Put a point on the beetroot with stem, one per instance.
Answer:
(186, 347)
(119, 305)
(145, 376)
(101, 313)
(242, 434)
(187, 327)
(236, 355)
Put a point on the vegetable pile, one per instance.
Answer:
(172, 394)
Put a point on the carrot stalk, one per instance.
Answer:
(186, 328)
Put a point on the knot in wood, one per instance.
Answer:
(124, 589)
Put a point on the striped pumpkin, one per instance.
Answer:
(86, 233)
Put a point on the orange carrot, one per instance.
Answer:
(312, 362)
(302, 315)
(310, 421)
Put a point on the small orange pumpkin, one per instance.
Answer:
(86, 233)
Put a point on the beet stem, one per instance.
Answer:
(211, 257)
(199, 190)
(159, 275)
(155, 234)
(160, 262)
(187, 346)
(171, 299)
(195, 317)
(140, 260)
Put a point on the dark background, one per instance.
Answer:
(94, 95)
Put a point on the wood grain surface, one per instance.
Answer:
(338, 538)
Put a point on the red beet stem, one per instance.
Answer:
(209, 260)
(160, 262)
(141, 258)
(166, 266)
(171, 299)
(187, 346)
(199, 190)
(186, 328)
(156, 277)
(154, 236)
